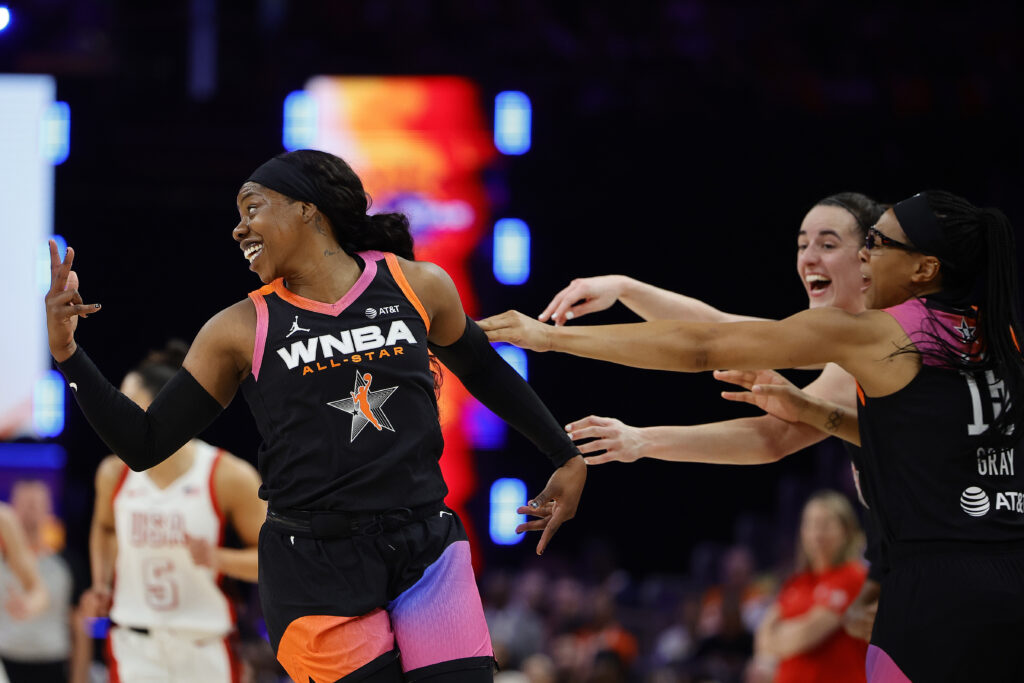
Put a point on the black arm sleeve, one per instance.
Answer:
(490, 379)
(142, 439)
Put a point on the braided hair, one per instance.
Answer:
(980, 269)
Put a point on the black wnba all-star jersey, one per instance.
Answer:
(927, 471)
(343, 396)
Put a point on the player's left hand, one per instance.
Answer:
(518, 329)
(557, 503)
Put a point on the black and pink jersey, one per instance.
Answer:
(344, 398)
(927, 471)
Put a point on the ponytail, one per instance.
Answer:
(388, 232)
(1000, 319)
(981, 269)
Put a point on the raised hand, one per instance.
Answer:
(619, 441)
(64, 305)
(766, 389)
(557, 503)
(582, 296)
(515, 328)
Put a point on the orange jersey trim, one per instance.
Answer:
(860, 395)
(396, 272)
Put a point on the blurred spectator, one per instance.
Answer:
(675, 644)
(724, 655)
(802, 631)
(516, 631)
(737, 585)
(38, 649)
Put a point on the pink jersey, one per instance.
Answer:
(157, 585)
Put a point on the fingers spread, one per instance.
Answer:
(739, 396)
(739, 377)
(588, 421)
(594, 446)
(591, 432)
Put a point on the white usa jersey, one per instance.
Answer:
(156, 584)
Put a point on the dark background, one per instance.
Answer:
(679, 142)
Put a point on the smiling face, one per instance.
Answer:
(892, 275)
(266, 229)
(826, 260)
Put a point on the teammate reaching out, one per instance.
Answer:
(934, 398)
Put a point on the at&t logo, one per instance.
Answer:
(975, 502)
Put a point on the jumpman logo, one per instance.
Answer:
(296, 328)
(365, 406)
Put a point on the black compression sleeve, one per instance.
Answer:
(142, 439)
(490, 379)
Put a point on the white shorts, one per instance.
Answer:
(164, 656)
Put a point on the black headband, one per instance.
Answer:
(280, 175)
(921, 226)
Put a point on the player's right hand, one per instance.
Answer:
(64, 305)
(619, 441)
(582, 296)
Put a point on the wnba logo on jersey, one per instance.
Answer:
(364, 405)
(358, 340)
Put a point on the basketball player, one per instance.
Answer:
(830, 236)
(159, 534)
(941, 401)
(360, 560)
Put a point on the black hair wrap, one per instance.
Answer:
(280, 175)
(922, 227)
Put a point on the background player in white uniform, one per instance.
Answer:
(165, 527)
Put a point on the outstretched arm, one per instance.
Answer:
(218, 360)
(862, 344)
(744, 441)
(592, 294)
(460, 344)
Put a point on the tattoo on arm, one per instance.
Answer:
(834, 420)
